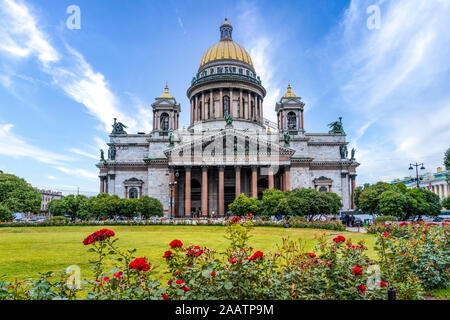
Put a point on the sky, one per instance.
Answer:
(381, 65)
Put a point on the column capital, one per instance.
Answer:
(187, 168)
(237, 168)
(205, 168)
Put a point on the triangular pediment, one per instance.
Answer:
(229, 143)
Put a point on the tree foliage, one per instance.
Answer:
(17, 195)
(307, 203)
(398, 200)
(104, 206)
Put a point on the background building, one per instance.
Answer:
(47, 196)
(435, 182)
(228, 147)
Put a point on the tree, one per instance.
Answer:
(426, 203)
(69, 205)
(368, 198)
(17, 195)
(392, 203)
(333, 202)
(241, 206)
(148, 207)
(5, 213)
(274, 203)
(446, 203)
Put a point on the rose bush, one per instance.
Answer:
(411, 258)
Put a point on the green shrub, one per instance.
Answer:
(58, 220)
(383, 219)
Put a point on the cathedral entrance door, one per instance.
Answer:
(229, 195)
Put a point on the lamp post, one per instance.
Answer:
(172, 185)
(417, 171)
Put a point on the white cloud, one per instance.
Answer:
(78, 172)
(262, 48)
(395, 82)
(20, 37)
(84, 153)
(15, 146)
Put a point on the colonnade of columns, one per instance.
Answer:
(442, 190)
(249, 105)
(283, 122)
(205, 170)
(173, 115)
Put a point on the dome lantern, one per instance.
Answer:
(226, 30)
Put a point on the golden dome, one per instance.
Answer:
(289, 93)
(166, 93)
(226, 48)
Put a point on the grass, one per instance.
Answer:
(27, 252)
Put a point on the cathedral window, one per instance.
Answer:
(252, 109)
(200, 110)
(211, 71)
(219, 69)
(226, 105)
(165, 121)
(204, 74)
(248, 73)
(226, 69)
(234, 69)
(133, 193)
(323, 189)
(239, 108)
(209, 109)
(292, 120)
(241, 71)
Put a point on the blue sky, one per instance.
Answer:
(60, 88)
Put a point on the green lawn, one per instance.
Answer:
(27, 251)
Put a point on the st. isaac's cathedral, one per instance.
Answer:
(229, 147)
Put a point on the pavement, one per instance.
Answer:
(355, 229)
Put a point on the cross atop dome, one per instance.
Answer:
(226, 30)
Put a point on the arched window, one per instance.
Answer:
(292, 120)
(200, 110)
(165, 121)
(239, 108)
(323, 189)
(133, 193)
(226, 105)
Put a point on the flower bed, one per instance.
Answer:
(294, 223)
(336, 269)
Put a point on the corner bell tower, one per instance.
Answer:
(166, 113)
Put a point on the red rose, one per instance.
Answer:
(179, 282)
(99, 235)
(177, 273)
(403, 224)
(176, 244)
(213, 274)
(170, 281)
(257, 255)
(118, 274)
(357, 271)
(339, 239)
(106, 279)
(383, 284)
(361, 288)
(235, 220)
(386, 234)
(165, 296)
(312, 255)
(233, 260)
(139, 264)
(185, 289)
(168, 254)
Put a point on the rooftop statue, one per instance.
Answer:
(286, 138)
(229, 121)
(336, 127)
(102, 155)
(118, 127)
(352, 157)
(171, 140)
(344, 152)
(112, 152)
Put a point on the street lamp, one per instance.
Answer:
(417, 171)
(172, 185)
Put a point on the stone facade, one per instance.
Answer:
(228, 147)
